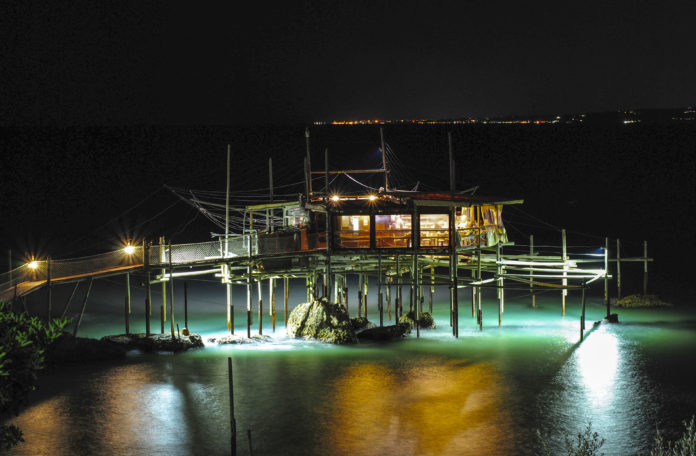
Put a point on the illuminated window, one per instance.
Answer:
(353, 231)
(295, 217)
(393, 231)
(434, 230)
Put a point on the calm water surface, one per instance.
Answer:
(485, 393)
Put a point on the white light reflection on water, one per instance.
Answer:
(597, 363)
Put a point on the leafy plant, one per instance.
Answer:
(684, 446)
(586, 443)
(23, 340)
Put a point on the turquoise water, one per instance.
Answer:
(485, 393)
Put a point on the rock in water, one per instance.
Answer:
(384, 333)
(156, 342)
(641, 301)
(323, 321)
(82, 350)
(426, 320)
(360, 324)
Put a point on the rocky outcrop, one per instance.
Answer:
(426, 320)
(384, 333)
(82, 350)
(361, 324)
(613, 318)
(641, 301)
(233, 339)
(323, 321)
(156, 342)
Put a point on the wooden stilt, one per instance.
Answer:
(163, 307)
(607, 303)
(478, 277)
(271, 285)
(228, 298)
(128, 291)
(258, 282)
(379, 289)
(249, 282)
(360, 292)
(148, 295)
(233, 422)
(432, 289)
(186, 306)
(618, 269)
(582, 316)
(67, 304)
(398, 302)
(564, 256)
(285, 300)
(84, 305)
(126, 314)
(365, 290)
(499, 283)
(171, 288)
(414, 287)
(473, 296)
(645, 268)
(389, 306)
(531, 270)
(49, 289)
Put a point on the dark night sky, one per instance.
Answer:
(195, 63)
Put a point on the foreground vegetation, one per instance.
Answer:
(589, 443)
(23, 343)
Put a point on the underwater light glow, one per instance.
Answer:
(597, 361)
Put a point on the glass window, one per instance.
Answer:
(393, 231)
(295, 217)
(353, 231)
(434, 230)
(466, 226)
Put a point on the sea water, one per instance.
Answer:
(487, 392)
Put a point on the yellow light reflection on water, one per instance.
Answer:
(438, 408)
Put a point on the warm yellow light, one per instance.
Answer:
(33, 264)
(129, 249)
(335, 198)
(372, 197)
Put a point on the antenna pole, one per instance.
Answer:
(309, 165)
(384, 159)
(326, 172)
(451, 162)
(227, 203)
(270, 177)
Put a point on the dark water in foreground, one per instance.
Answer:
(485, 393)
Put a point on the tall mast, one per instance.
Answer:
(384, 159)
(227, 203)
(309, 163)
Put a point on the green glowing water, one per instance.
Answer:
(485, 393)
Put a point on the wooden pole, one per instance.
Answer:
(67, 304)
(397, 301)
(228, 298)
(271, 292)
(607, 303)
(249, 281)
(186, 305)
(326, 175)
(645, 268)
(84, 305)
(379, 288)
(171, 288)
(258, 282)
(128, 292)
(432, 288)
(389, 306)
(270, 181)
(499, 282)
(49, 289)
(366, 283)
(286, 288)
(360, 293)
(148, 295)
(531, 270)
(414, 287)
(163, 308)
(564, 292)
(478, 278)
(251, 452)
(618, 269)
(126, 315)
(582, 316)
(233, 422)
(473, 296)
